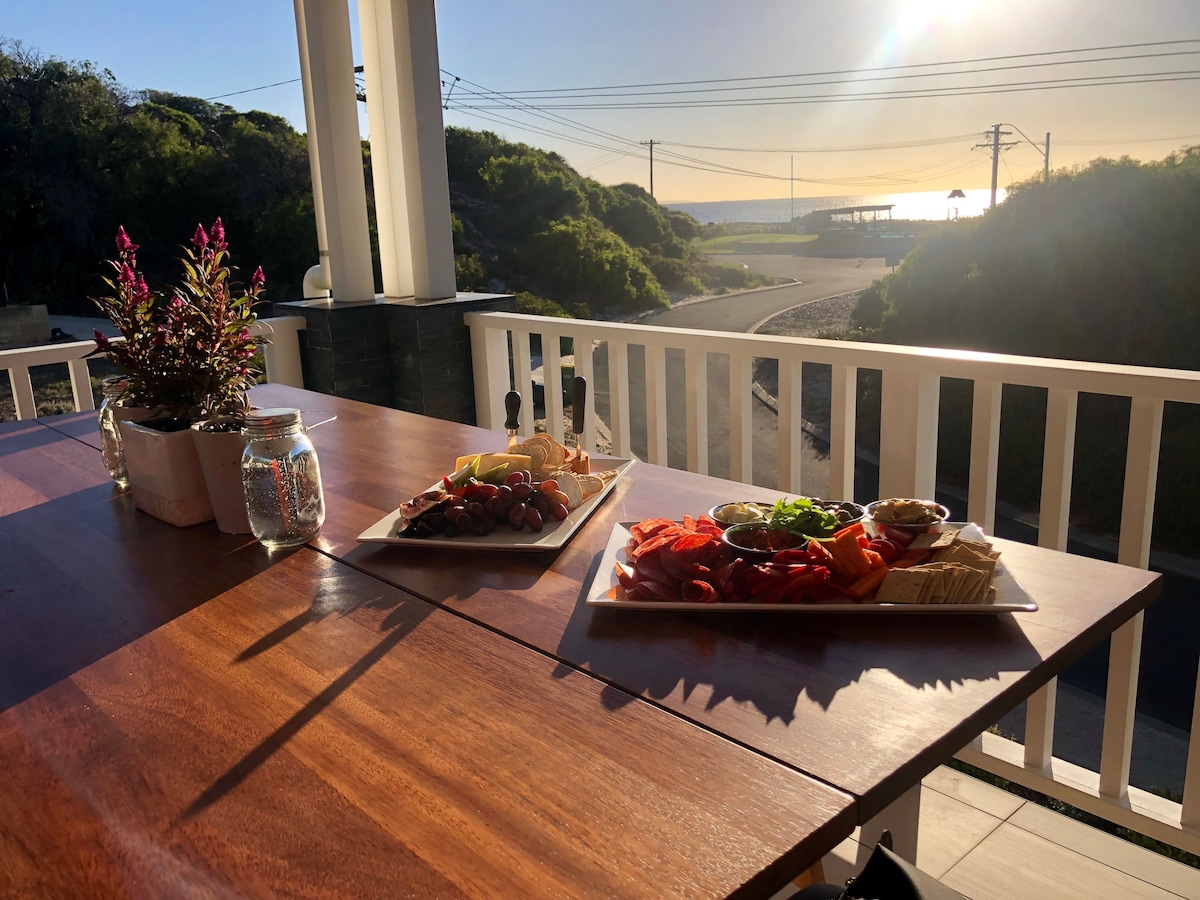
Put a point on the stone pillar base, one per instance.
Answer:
(398, 353)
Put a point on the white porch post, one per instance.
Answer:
(327, 67)
(408, 146)
(314, 165)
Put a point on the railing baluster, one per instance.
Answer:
(791, 426)
(1120, 699)
(696, 388)
(22, 392)
(908, 434)
(618, 396)
(552, 385)
(281, 354)
(523, 379)
(985, 454)
(1137, 516)
(843, 417)
(489, 361)
(1190, 815)
(741, 418)
(81, 385)
(656, 404)
(1058, 456)
(585, 368)
(1039, 725)
(1141, 481)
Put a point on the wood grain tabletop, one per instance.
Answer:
(866, 703)
(308, 731)
(869, 703)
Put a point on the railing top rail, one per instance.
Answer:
(1179, 385)
(49, 354)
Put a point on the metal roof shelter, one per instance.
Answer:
(856, 213)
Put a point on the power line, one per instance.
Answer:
(914, 94)
(1098, 143)
(261, 87)
(527, 95)
(898, 145)
(957, 62)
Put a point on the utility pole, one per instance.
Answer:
(792, 185)
(651, 145)
(995, 146)
(1047, 155)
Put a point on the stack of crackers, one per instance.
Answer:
(959, 571)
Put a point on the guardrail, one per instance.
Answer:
(911, 378)
(282, 357)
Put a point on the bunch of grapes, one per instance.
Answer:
(478, 508)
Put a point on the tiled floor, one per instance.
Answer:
(991, 845)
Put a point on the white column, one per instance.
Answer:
(310, 120)
(404, 104)
(324, 28)
(376, 26)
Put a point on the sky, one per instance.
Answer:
(578, 54)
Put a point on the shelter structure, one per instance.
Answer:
(856, 215)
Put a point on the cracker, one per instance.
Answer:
(981, 547)
(934, 540)
(902, 586)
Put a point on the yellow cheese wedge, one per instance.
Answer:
(516, 461)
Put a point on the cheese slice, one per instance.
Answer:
(516, 461)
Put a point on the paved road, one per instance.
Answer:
(738, 313)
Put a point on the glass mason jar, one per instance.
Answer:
(282, 478)
(111, 448)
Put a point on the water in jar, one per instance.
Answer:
(282, 481)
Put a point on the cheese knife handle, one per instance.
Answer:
(579, 407)
(512, 409)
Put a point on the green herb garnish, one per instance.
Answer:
(803, 517)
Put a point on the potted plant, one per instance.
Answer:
(189, 358)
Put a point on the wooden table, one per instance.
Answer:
(868, 703)
(184, 712)
(862, 705)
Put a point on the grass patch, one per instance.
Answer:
(748, 243)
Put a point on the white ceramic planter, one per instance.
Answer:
(220, 455)
(165, 478)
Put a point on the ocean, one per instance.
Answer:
(933, 205)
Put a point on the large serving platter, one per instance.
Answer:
(553, 536)
(605, 590)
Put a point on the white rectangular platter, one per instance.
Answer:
(605, 590)
(553, 536)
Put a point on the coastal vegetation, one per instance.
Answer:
(1100, 264)
(525, 221)
(81, 155)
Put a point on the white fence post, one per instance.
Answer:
(908, 434)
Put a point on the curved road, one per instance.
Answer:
(819, 278)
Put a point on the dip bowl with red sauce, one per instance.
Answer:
(758, 542)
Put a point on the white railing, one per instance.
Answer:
(282, 357)
(911, 379)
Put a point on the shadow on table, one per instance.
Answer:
(338, 593)
(774, 660)
(22, 436)
(86, 574)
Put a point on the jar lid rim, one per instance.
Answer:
(272, 412)
(274, 417)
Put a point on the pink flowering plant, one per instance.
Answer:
(187, 355)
